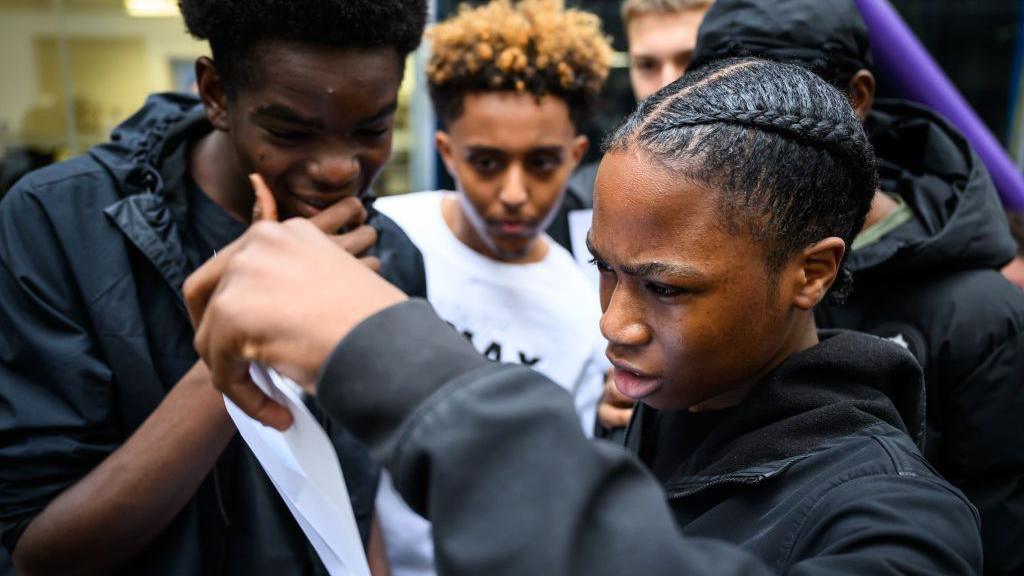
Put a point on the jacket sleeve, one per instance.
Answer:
(56, 407)
(494, 456)
(984, 451)
(888, 524)
(401, 262)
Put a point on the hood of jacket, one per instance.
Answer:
(147, 157)
(139, 148)
(960, 223)
(847, 383)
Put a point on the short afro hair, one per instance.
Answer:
(532, 47)
(234, 27)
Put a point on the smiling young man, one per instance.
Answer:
(511, 84)
(117, 458)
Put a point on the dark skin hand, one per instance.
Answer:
(101, 522)
(246, 311)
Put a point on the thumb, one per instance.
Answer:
(264, 208)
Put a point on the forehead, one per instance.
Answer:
(325, 80)
(644, 212)
(664, 34)
(512, 121)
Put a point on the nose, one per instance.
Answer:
(670, 72)
(622, 323)
(513, 194)
(334, 169)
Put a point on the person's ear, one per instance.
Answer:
(862, 89)
(580, 145)
(212, 93)
(444, 147)
(818, 267)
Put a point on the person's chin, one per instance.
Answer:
(511, 251)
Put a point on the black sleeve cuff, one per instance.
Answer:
(387, 365)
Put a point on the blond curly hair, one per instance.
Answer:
(532, 46)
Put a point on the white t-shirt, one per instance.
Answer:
(544, 314)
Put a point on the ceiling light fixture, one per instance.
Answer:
(151, 8)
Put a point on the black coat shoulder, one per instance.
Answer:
(401, 261)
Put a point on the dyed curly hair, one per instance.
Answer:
(235, 27)
(533, 47)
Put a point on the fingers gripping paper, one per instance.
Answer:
(302, 464)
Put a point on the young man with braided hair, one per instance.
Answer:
(927, 262)
(511, 85)
(720, 222)
(118, 456)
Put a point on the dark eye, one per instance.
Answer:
(602, 267)
(376, 131)
(663, 291)
(288, 135)
(546, 163)
(485, 164)
(645, 65)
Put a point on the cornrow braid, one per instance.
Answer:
(823, 132)
(784, 148)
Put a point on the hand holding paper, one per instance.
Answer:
(302, 464)
(283, 295)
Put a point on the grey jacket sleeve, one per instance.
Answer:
(494, 456)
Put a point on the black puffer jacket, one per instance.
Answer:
(93, 254)
(933, 284)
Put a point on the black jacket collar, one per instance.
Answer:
(148, 156)
(844, 385)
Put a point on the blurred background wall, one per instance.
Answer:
(70, 70)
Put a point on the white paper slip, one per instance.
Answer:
(303, 466)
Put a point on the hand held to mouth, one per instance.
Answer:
(284, 295)
(347, 214)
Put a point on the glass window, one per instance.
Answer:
(74, 69)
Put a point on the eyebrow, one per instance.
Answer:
(649, 269)
(492, 150)
(649, 56)
(384, 112)
(286, 114)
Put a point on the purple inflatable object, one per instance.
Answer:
(901, 59)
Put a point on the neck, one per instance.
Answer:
(460, 225)
(214, 167)
(881, 206)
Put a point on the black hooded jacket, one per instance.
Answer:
(785, 473)
(93, 254)
(813, 473)
(933, 284)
